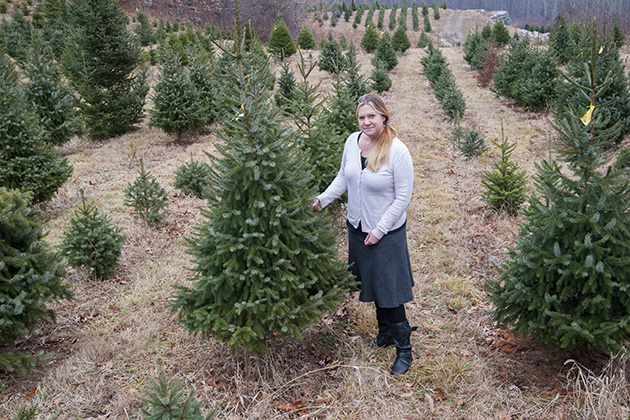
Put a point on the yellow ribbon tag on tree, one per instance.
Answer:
(588, 116)
(601, 49)
(239, 114)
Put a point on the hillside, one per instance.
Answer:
(117, 334)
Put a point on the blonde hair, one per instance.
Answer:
(380, 153)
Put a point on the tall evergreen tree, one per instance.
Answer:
(30, 277)
(177, 107)
(332, 58)
(354, 81)
(27, 163)
(561, 43)
(285, 97)
(52, 101)
(280, 41)
(101, 62)
(500, 33)
(566, 280)
(265, 262)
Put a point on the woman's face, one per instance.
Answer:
(371, 122)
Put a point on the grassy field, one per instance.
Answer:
(117, 334)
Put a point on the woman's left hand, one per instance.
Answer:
(371, 239)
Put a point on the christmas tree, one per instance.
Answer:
(52, 101)
(400, 41)
(369, 41)
(280, 40)
(27, 163)
(285, 97)
(100, 62)
(385, 52)
(92, 241)
(305, 39)
(265, 261)
(177, 106)
(566, 280)
(147, 197)
(30, 277)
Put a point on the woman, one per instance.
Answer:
(377, 171)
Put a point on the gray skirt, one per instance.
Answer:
(382, 270)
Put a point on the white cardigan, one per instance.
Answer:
(378, 200)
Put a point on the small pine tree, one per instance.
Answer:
(177, 107)
(144, 29)
(354, 82)
(27, 163)
(425, 9)
(561, 43)
(305, 39)
(147, 198)
(52, 101)
(392, 17)
(166, 401)
(285, 96)
(427, 24)
(619, 38)
(471, 144)
(380, 78)
(280, 41)
(500, 33)
(385, 52)
(200, 74)
(92, 241)
(436, 13)
(193, 178)
(505, 184)
(565, 280)
(380, 22)
(369, 41)
(101, 62)
(443, 5)
(423, 41)
(332, 58)
(400, 41)
(267, 259)
(30, 277)
(414, 17)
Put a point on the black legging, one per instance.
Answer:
(391, 315)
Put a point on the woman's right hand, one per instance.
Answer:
(316, 204)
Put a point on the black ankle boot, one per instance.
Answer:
(401, 334)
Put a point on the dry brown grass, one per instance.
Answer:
(116, 334)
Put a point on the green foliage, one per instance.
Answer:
(193, 178)
(265, 262)
(101, 62)
(427, 24)
(354, 82)
(30, 277)
(200, 74)
(147, 198)
(618, 37)
(614, 101)
(144, 29)
(527, 75)
(369, 41)
(423, 41)
(167, 401)
(17, 35)
(92, 241)
(443, 5)
(177, 106)
(500, 33)
(385, 52)
(280, 41)
(52, 101)
(425, 9)
(471, 144)
(436, 13)
(505, 184)
(400, 41)
(565, 281)
(27, 163)
(381, 19)
(561, 43)
(305, 39)
(475, 47)
(380, 78)
(332, 58)
(414, 18)
(285, 96)
(392, 17)
(442, 81)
